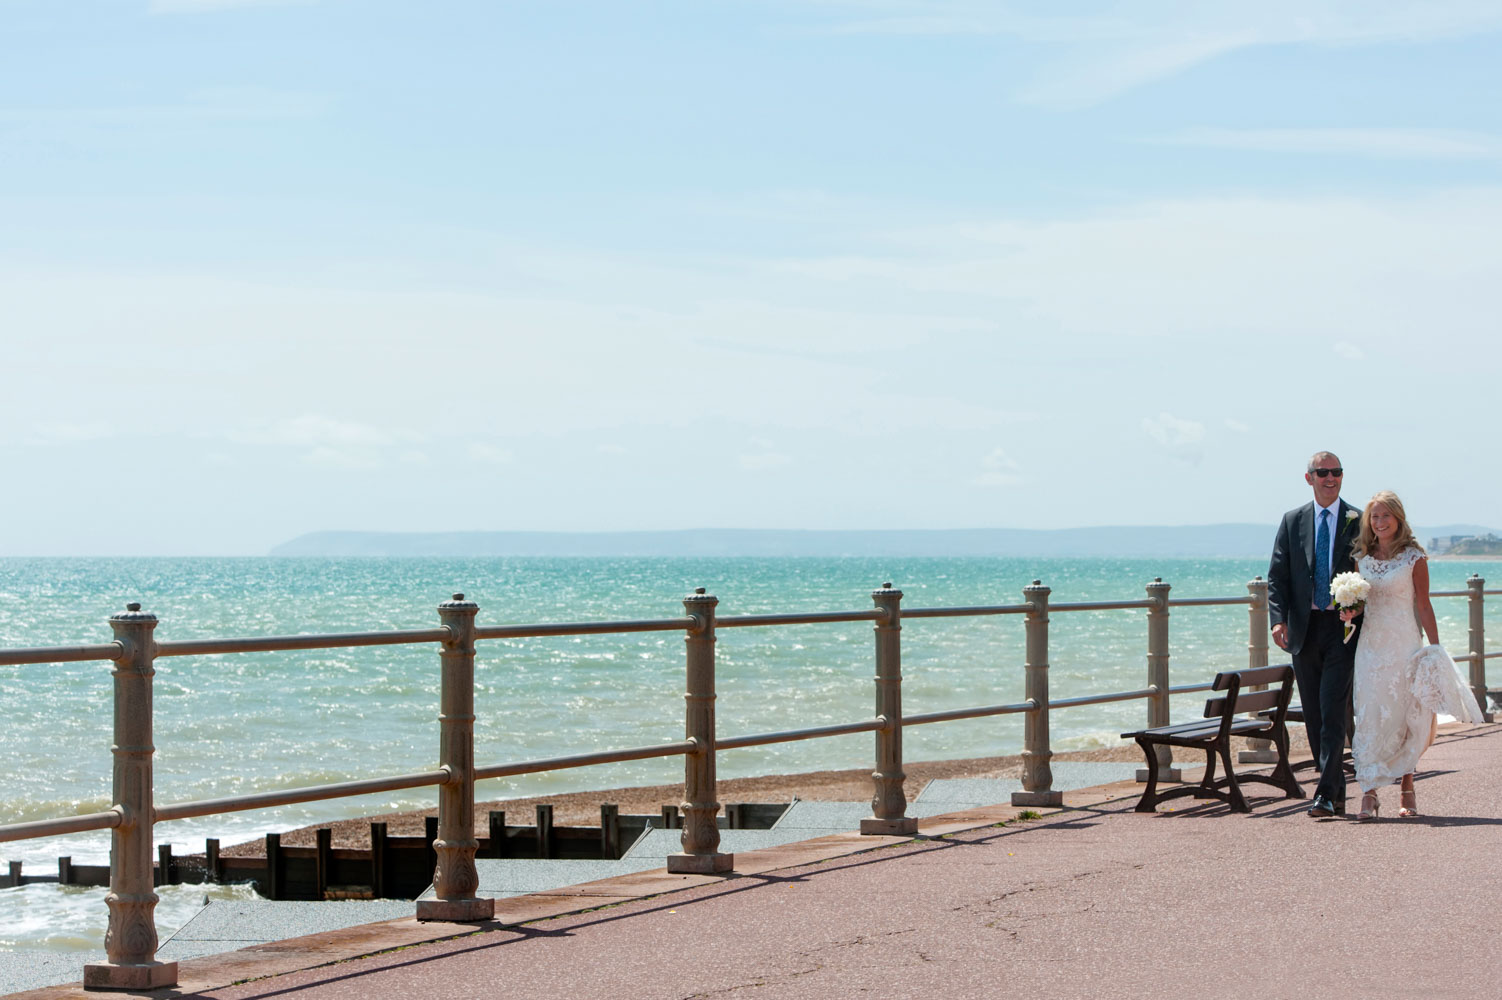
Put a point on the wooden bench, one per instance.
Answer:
(1213, 733)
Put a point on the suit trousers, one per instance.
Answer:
(1323, 668)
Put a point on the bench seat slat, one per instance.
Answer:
(1209, 727)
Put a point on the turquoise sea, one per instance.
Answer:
(242, 723)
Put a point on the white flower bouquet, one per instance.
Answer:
(1349, 592)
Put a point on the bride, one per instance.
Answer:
(1400, 685)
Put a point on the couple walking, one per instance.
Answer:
(1399, 683)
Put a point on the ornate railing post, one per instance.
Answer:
(1037, 774)
(1157, 676)
(1258, 751)
(1477, 602)
(701, 836)
(888, 801)
(454, 876)
(130, 940)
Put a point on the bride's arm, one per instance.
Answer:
(1422, 609)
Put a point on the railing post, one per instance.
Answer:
(1037, 774)
(1258, 751)
(130, 940)
(1157, 676)
(454, 876)
(888, 801)
(701, 836)
(1477, 602)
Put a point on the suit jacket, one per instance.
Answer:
(1290, 575)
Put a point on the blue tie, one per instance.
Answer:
(1322, 561)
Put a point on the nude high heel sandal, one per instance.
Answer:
(1370, 807)
(1408, 803)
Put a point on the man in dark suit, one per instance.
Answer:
(1313, 545)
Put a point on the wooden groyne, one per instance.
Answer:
(394, 867)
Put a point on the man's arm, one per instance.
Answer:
(1278, 585)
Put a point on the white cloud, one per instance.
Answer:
(1384, 143)
(224, 104)
(74, 432)
(1223, 266)
(1106, 50)
(311, 429)
(333, 443)
(1181, 438)
(489, 454)
(342, 458)
(763, 456)
(1238, 426)
(1171, 431)
(999, 469)
(206, 6)
(1348, 350)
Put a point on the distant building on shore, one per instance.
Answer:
(1465, 545)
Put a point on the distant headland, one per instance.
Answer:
(1242, 541)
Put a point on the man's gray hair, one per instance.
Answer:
(1314, 459)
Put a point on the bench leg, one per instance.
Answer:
(1207, 783)
(1233, 787)
(1282, 775)
(1149, 801)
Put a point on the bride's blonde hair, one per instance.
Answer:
(1366, 541)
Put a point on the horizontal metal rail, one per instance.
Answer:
(995, 609)
(57, 827)
(1471, 657)
(61, 654)
(272, 643)
(1205, 602)
(805, 618)
(586, 759)
(310, 793)
(924, 718)
(583, 628)
(793, 735)
(1102, 605)
(1100, 699)
(1191, 688)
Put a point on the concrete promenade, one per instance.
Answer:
(1095, 900)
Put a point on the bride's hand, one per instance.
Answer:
(1348, 614)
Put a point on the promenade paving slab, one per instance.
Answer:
(1095, 900)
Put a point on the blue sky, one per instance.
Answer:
(276, 267)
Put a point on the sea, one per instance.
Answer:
(251, 722)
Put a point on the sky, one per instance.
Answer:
(270, 267)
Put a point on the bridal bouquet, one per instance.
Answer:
(1348, 591)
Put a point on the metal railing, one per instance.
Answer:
(131, 940)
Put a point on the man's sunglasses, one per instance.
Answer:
(1322, 473)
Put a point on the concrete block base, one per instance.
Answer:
(902, 826)
(700, 864)
(1050, 798)
(147, 976)
(457, 911)
(1164, 774)
(1256, 756)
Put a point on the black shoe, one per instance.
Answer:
(1323, 808)
(1340, 808)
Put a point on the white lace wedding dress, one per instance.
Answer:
(1400, 684)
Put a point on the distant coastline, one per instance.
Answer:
(1235, 541)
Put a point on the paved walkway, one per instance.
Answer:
(1096, 900)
